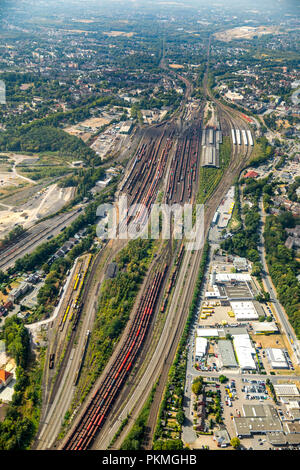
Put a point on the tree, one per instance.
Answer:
(197, 386)
(168, 444)
(223, 379)
(180, 417)
(235, 442)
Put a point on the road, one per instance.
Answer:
(282, 316)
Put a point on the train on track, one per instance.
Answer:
(51, 361)
(105, 396)
(183, 169)
(73, 306)
(173, 278)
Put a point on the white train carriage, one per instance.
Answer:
(250, 139)
(245, 140)
(211, 136)
(233, 136)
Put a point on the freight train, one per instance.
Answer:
(103, 399)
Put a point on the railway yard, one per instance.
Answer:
(149, 229)
(162, 160)
(168, 159)
(35, 236)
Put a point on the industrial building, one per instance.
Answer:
(210, 141)
(257, 419)
(294, 413)
(250, 138)
(126, 127)
(240, 264)
(264, 419)
(111, 271)
(244, 311)
(215, 218)
(244, 352)
(281, 439)
(221, 437)
(287, 392)
(226, 208)
(227, 354)
(246, 135)
(208, 332)
(103, 183)
(200, 348)
(264, 327)
(232, 286)
(276, 358)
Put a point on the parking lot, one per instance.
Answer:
(237, 388)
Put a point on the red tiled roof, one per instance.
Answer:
(251, 174)
(4, 375)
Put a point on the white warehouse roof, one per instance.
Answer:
(244, 351)
(277, 358)
(244, 310)
(213, 294)
(227, 277)
(264, 327)
(207, 332)
(201, 346)
(286, 390)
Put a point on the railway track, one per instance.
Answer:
(58, 341)
(233, 170)
(179, 321)
(7, 257)
(100, 405)
(142, 185)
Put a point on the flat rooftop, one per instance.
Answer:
(286, 390)
(227, 353)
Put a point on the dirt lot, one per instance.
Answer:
(245, 32)
(42, 203)
(269, 341)
(94, 123)
(10, 179)
(115, 34)
(176, 66)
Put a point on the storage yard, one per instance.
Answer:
(45, 202)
